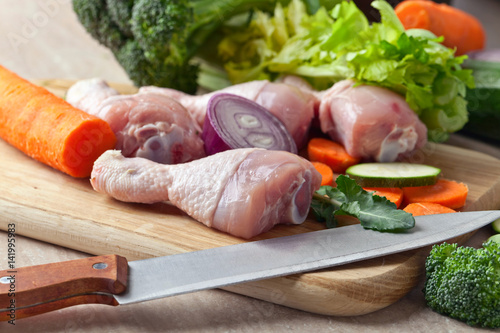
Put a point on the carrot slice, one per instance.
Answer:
(448, 193)
(459, 29)
(48, 129)
(325, 171)
(427, 208)
(393, 194)
(330, 153)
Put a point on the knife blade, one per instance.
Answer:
(111, 280)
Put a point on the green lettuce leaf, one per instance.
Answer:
(329, 46)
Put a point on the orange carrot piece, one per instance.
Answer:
(448, 193)
(48, 129)
(459, 29)
(394, 194)
(427, 208)
(330, 153)
(325, 171)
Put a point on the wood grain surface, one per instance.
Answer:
(53, 207)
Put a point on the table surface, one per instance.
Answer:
(43, 39)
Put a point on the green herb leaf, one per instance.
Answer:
(348, 198)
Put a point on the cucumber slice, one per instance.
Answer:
(393, 174)
(495, 238)
(496, 225)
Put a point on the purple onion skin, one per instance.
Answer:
(486, 55)
(232, 122)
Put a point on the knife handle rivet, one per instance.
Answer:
(6, 279)
(99, 265)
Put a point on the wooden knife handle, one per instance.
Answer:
(33, 290)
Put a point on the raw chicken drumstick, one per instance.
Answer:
(147, 125)
(371, 122)
(88, 94)
(243, 192)
(294, 107)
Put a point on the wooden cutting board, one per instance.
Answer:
(50, 206)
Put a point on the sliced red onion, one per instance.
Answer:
(237, 122)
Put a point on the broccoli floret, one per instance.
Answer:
(120, 12)
(94, 17)
(156, 41)
(144, 72)
(161, 28)
(464, 283)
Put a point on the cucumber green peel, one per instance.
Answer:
(495, 238)
(483, 101)
(496, 225)
(397, 174)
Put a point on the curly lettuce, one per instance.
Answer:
(329, 46)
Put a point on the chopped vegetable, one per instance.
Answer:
(427, 208)
(237, 122)
(484, 99)
(348, 198)
(325, 171)
(495, 238)
(396, 174)
(460, 30)
(464, 283)
(448, 193)
(393, 194)
(330, 46)
(48, 129)
(496, 225)
(330, 153)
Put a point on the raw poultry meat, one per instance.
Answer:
(88, 94)
(152, 126)
(295, 81)
(371, 122)
(243, 192)
(292, 106)
(147, 125)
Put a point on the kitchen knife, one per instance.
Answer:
(111, 280)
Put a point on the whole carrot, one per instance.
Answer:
(459, 29)
(48, 129)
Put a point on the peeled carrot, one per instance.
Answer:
(48, 129)
(459, 29)
(445, 192)
(393, 194)
(330, 153)
(427, 208)
(325, 171)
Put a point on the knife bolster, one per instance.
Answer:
(28, 291)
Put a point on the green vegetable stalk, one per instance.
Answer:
(348, 198)
(464, 283)
(329, 46)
